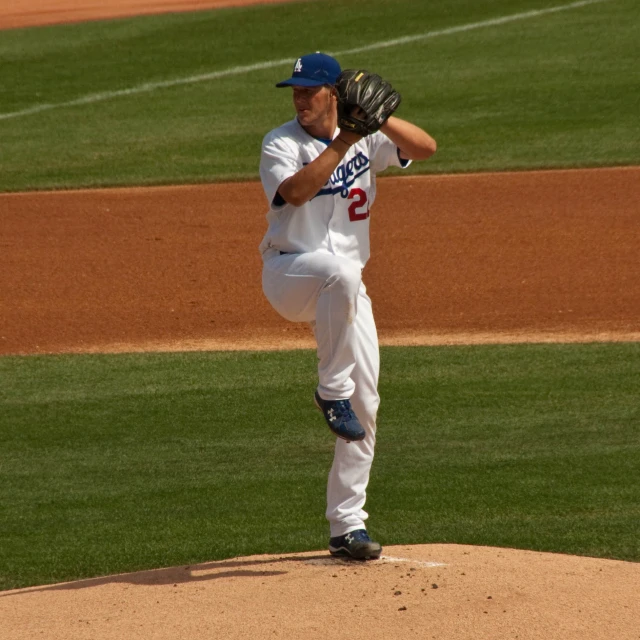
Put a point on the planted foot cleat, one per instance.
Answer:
(356, 544)
(341, 418)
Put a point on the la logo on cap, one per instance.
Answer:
(298, 66)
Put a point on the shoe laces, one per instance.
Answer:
(361, 535)
(343, 410)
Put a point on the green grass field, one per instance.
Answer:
(118, 463)
(552, 90)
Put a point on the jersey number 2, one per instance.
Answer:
(359, 208)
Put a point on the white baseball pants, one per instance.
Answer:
(327, 291)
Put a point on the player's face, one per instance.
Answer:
(314, 105)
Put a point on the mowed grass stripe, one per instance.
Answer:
(556, 91)
(149, 87)
(118, 463)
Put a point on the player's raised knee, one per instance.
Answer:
(346, 277)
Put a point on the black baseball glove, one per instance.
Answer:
(365, 101)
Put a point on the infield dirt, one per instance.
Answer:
(517, 257)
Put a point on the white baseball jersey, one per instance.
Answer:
(336, 219)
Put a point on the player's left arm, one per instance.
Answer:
(413, 142)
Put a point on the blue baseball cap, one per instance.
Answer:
(313, 70)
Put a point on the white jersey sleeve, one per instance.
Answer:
(280, 160)
(384, 153)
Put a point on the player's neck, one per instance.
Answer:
(323, 129)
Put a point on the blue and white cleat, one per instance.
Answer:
(341, 418)
(356, 544)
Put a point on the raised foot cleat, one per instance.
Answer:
(356, 544)
(341, 418)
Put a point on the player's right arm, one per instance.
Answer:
(413, 142)
(303, 185)
(286, 179)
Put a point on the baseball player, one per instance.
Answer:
(318, 173)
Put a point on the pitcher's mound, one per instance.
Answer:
(423, 591)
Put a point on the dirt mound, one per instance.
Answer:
(422, 591)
